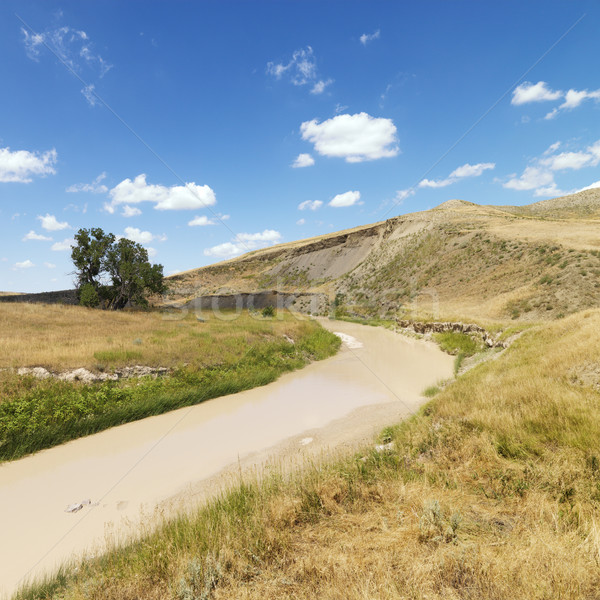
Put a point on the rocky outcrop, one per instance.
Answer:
(441, 327)
(85, 376)
(60, 297)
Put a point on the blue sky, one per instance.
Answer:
(207, 129)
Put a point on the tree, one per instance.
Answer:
(113, 272)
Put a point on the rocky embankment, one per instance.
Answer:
(442, 327)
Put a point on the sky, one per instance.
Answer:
(206, 129)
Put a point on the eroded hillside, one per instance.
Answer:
(482, 262)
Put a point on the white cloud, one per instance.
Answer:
(459, 173)
(573, 99)
(64, 245)
(95, 187)
(356, 138)
(244, 242)
(142, 237)
(130, 211)
(300, 221)
(310, 205)
(592, 186)
(49, 223)
(534, 92)
(532, 177)
(178, 197)
(345, 199)
(152, 252)
(19, 166)
(303, 160)
(319, 86)
(365, 38)
(49, 265)
(89, 94)
(26, 264)
(32, 235)
(302, 68)
(73, 48)
(402, 195)
(200, 221)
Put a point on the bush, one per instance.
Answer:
(88, 296)
(268, 311)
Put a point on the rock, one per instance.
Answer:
(288, 339)
(38, 372)
(77, 506)
(384, 447)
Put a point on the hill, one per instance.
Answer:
(486, 263)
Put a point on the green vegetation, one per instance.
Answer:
(100, 256)
(454, 342)
(491, 491)
(36, 414)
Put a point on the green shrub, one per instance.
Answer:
(88, 296)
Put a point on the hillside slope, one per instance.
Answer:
(481, 262)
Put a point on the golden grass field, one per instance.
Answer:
(65, 337)
(492, 491)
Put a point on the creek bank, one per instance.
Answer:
(423, 328)
(86, 376)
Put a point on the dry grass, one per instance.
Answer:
(493, 491)
(63, 337)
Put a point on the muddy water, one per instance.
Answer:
(129, 470)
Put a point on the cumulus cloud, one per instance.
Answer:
(130, 211)
(459, 173)
(310, 205)
(365, 38)
(21, 165)
(303, 160)
(64, 245)
(539, 176)
(345, 199)
(96, 187)
(356, 138)
(142, 237)
(244, 242)
(300, 221)
(592, 186)
(32, 235)
(177, 197)
(573, 99)
(200, 221)
(402, 195)
(534, 92)
(26, 264)
(50, 223)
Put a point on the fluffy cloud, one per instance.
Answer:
(540, 92)
(310, 205)
(345, 199)
(26, 264)
(32, 235)
(142, 237)
(130, 211)
(402, 195)
(303, 160)
(573, 98)
(356, 138)
(300, 221)
(64, 245)
(200, 221)
(539, 176)
(459, 173)
(178, 197)
(49, 223)
(244, 242)
(95, 187)
(534, 92)
(21, 165)
(365, 38)
(592, 186)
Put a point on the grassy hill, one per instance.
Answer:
(486, 263)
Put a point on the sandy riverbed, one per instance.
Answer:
(179, 458)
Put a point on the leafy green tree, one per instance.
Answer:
(111, 272)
